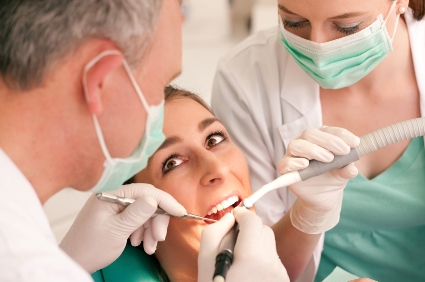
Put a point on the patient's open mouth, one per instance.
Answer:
(222, 208)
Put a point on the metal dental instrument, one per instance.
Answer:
(107, 197)
(368, 143)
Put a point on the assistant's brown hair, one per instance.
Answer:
(418, 8)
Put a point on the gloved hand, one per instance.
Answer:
(255, 256)
(100, 232)
(319, 202)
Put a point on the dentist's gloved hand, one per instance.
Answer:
(255, 256)
(318, 206)
(100, 232)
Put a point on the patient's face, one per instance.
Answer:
(198, 165)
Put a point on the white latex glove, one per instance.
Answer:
(318, 206)
(255, 256)
(100, 232)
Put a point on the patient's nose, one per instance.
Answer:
(215, 171)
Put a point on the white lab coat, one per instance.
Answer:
(28, 248)
(265, 100)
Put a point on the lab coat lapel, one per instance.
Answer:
(417, 45)
(300, 102)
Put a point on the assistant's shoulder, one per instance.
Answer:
(261, 49)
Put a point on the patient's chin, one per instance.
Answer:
(219, 214)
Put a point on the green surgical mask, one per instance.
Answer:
(342, 62)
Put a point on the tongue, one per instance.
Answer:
(218, 215)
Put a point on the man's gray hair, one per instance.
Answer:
(36, 34)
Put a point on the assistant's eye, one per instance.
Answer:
(294, 24)
(348, 30)
(215, 139)
(171, 163)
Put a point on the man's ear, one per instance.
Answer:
(94, 76)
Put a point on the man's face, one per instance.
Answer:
(123, 118)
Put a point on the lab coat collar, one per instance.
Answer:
(300, 102)
(417, 45)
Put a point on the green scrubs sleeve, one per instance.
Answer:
(133, 265)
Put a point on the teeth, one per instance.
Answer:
(223, 205)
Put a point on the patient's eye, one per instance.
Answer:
(171, 163)
(215, 138)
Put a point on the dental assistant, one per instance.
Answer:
(81, 106)
(358, 65)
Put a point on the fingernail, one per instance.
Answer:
(135, 243)
(327, 156)
(356, 141)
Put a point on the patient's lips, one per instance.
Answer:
(222, 208)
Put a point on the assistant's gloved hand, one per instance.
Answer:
(100, 232)
(255, 256)
(318, 206)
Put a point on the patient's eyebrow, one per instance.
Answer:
(170, 141)
(207, 122)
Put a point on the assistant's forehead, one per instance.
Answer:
(327, 7)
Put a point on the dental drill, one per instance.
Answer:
(225, 258)
(368, 143)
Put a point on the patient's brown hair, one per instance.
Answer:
(173, 92)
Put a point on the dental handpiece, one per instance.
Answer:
(368, 143)
(107, 197)
(225, 257)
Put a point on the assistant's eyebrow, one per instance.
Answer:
(343, 16)
(283, 8)
(207, 122)
(170, 141)
(347, 15)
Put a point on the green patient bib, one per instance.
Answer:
(134, 265)
(381, 233)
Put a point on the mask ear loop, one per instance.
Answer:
(396, 20)
(147, 109)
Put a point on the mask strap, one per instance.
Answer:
(395, 26)
(396, 20)
(96, 122)
(145, 105)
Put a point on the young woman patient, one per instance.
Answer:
(199, 165)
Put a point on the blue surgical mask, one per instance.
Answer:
(342, 62)
(117, 170)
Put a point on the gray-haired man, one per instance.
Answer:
(62, 66)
